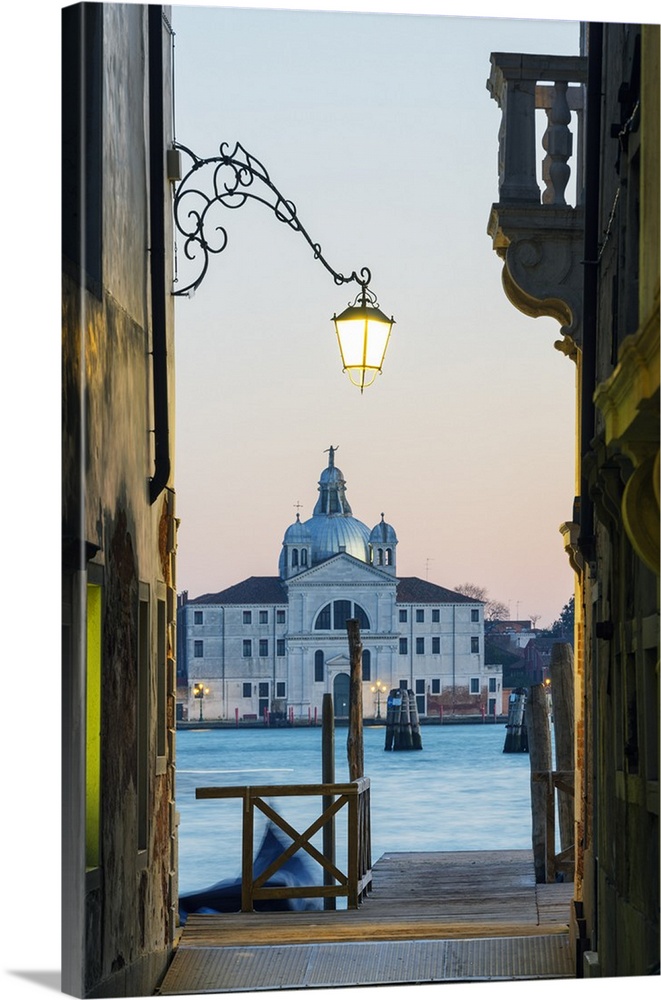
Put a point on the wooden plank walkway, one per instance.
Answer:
(512, 928)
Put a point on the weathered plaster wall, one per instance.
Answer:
(108, 420)
(623, 593)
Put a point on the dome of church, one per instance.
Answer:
(383, 546)
(338, 533)
(297, 533)
(383, 534)
(332, 525)
(331, 529)
(296, 549)
(331, 474)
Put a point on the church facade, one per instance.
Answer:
(269, 648)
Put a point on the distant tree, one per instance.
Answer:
(563, 626)
(494, 611)
(472, 590)
(534, 619)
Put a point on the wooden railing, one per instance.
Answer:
(563, 860)
(352, 796)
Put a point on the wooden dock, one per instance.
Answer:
(433, 917)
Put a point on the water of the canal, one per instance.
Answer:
(460, 792)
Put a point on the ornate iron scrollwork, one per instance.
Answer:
(232, 178)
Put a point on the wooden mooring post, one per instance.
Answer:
(328, 778)
(562, 696)
(355, 751)
(541, 787)
(516, 738)
(402, 722)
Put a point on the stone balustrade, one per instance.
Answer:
(517, 85)
(537, 233)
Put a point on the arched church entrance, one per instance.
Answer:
(341, 696)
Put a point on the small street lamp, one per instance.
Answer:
(199, 691)
(363, 332)
(377, 688)
(232, 179)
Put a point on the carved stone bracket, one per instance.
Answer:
(542, 249)
(570, 531)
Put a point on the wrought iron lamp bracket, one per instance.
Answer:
(230, 180)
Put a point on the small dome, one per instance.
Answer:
(331, 475)
(383, 534)
(297, 533)
(295, 551)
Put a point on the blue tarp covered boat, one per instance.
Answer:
(225, 896)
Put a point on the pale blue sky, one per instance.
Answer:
(381, 130)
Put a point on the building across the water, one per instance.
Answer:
(270, 647)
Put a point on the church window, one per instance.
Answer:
(403, 615)
(361, 615)
(263, 617)
(380, 559)
(199, 618)
(280, 647)
(319, 665)
(341, 612)
(388, 557)
(420, 614)
(436, 614)
(198, 648)
(304, 557)
(247, 617)
(247, 647)
(294, 557)
(324, 618)
(280, 617)
(367, 661)
(475, 614)
(403, 646)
